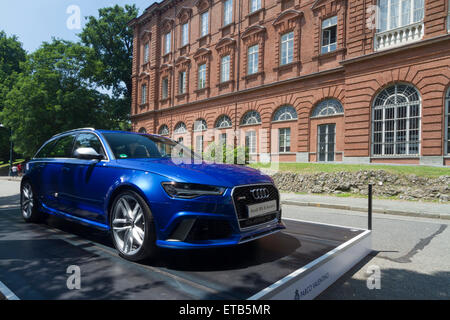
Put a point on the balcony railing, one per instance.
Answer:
(399, 36)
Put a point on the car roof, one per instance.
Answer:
(101, 131)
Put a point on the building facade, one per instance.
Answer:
(363, 81)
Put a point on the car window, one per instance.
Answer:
(134, 146)
(45, 150)
(89, 140)
(63, 147)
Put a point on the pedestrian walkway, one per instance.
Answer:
(395, 207)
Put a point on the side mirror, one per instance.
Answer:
(87, 154)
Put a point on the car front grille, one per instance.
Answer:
(242, 197)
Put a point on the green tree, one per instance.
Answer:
(111, 41)
(51, 96)
(12, 55)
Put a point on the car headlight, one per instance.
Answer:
(191, 190)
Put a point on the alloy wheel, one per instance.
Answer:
(27, 201)
(128, 225)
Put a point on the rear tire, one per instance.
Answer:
(29, 206)
(133, 227)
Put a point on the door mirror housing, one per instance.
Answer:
(87, 154)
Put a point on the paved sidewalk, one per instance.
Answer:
(395, 207)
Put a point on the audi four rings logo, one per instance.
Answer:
(260, 194)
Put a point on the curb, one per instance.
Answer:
(365, 209)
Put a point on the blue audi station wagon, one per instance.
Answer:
(133, 186)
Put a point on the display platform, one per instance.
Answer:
(298, 263)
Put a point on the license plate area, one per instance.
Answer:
(260, 209)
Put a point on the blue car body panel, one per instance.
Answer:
(83, 191)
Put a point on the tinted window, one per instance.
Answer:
(45, 151)
(134, 146)
(63, 147)
(89, 140)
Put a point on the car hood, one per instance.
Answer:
(224, 175)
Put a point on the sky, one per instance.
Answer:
(36, 21)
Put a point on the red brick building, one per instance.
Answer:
(330, 80)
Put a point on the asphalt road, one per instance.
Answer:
(413, 255)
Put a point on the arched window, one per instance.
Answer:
(164, 130)
(251, 118)
(223, 122)
(327, 108)
(200, 125)
(180, 128)
(396, 121)
(447, 121)
(142, 130)
(285, 113)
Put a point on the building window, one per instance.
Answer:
(164, 130)
(165, 88)
(326, 140)
(396, 121)
(255, 5)
(327, 108)
(227, 12)
(223, 138)
(225, 69)
(399, 13)
(447, 122)
(285, 113)
(146, 52)
(182, 82)
(200, 125)
(144, 94)
(184, 34)
(284, 135)
(329, 35)
(180, 128)
(253, 59)
(167, 42)
(204, 25)
(142, 130)
(223, 122)
(199, 144)
(250, 141)
(251, 118)
(287, 48)
(448, 16)
(202, 76)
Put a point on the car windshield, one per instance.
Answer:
(142, 146)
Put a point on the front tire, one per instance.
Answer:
(133, 227)
(29, 204)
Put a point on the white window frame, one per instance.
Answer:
(327, 142)
(182, 82)
(185, 34)
(180, 128)
(144, 94)
(199, 144)
(224, 122)
(327, 25)
(255, 5)
(146, 52)
(396, 7)
(285, 113)
(165, 88)
(394, 128)
(164, 130)
(225, 64)
(202, 76)
(251, 118)
(253, 59)
(284, 140)
(287, 48)
(168, 42)
(204, 24)
(227, 12)
(251, 141)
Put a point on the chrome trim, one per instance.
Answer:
(262, 235)
(258, 225)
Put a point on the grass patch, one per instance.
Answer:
(421, 171)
